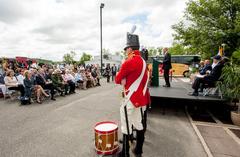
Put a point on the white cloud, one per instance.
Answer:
(49, 28)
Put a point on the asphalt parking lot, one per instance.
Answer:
(65, 128)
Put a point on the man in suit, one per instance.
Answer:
(166, 66)
(211, 78)
(114, 71)
(207, 67)
(41, 80)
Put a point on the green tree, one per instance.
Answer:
(177, 49)
(159, 50)
(85, 57)
(152, 51)
(69, 57)
(209, 24)
(236, 57)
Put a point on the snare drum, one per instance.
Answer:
(106, 138)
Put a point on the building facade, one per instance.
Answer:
(107, 59)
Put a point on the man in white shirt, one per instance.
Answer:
(20, 77)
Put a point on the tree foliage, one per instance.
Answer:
(209, 23)
(231, 82)
(152, 51)
(236, 57)
(69, 57)
(85, 57)
(179, 49)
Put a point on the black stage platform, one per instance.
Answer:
(180, 88)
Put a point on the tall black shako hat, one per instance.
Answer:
(132, 41)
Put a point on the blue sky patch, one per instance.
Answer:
(139, 18)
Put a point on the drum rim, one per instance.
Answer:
(104, 122)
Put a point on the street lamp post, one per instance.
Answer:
(101, 7)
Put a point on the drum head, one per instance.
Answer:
(106, 127)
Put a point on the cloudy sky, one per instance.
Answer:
(49, 28)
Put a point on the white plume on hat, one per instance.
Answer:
(134, 27)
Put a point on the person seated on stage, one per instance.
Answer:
(207, 67)
(58, 82)
(29, 87)
(203, 70)
(211, 78)
(45, 84)
(12, 83)
(201, 65)
(68, 78)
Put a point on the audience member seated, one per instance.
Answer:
(2, 85)
(30, 87)
(95, 76)
(48, 75)
(211, 78)
(32, 82)
(5, 66)
(12, 83)
(84, 77)
(78, 78)
(40, 80)
(20, 76)
(58, 82)
(91, 82)
(68, 78)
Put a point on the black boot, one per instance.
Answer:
(125, 147)
(139, 143)
(144, 120)
(52, 98)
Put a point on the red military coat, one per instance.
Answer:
(130, 70)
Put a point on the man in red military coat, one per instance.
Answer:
(133, 75)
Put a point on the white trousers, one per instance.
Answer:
(134, 116)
